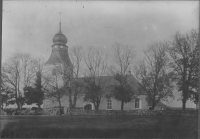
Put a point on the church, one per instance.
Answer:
(60, 58)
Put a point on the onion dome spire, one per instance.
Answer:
(60, 38)
(59, 54)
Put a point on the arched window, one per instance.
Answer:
(137, 103)
(109, 104)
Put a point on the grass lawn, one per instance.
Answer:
(99, 126)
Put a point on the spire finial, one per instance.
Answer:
(60, 24)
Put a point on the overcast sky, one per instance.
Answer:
(29, 26)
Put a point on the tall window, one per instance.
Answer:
(137, 103)
(109, 104)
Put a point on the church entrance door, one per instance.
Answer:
(88, 107)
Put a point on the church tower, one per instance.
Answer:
(59, 55)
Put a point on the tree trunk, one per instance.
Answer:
(183, 104)
(184, 84)
(98, 100)
(17, 102)
(70, 99)
(96, 107)
(153, 105)
(122, 105)
(70, 102)
(74, 101)
(18, 106)
(16, 98)
(184, 93)
(60, 106)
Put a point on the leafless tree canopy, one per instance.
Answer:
(96, 62)
(96, 67)
(123, 57)
(184, 53)
(154, 75)
(54, 90)
(70, 74)
(77, 55)
(156, 57)
(18, 72)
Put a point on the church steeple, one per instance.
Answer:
(59, 50)
(60, 38)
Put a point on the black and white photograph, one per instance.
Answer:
(99, 69)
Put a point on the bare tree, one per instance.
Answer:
(64, 71)
(11, 76)
(18, 72)
(7, 94)
(96, 63)
(184, 52)
(76, 55)
(35, 93)
(123, 58)
(154, 74)
(28, 68)
(39, 65)
(71, 73)
(195, 78)
(54, 89)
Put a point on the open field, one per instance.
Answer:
(99, 126)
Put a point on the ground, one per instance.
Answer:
(99, 126)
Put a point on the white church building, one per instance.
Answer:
(59, 56)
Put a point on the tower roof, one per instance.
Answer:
(59, 54)
(59, 57)
(60, 38)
